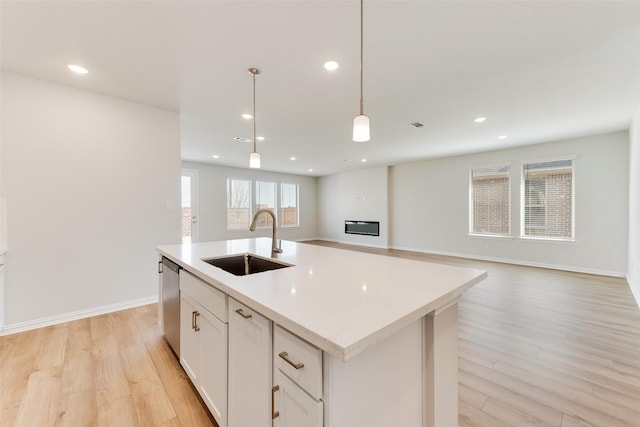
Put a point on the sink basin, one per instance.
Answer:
(241, 265)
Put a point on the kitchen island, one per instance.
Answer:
(382, 330)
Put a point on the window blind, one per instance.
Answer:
(490, 200)
(548, 199)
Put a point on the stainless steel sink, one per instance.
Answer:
(242, 265)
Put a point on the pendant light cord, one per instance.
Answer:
(254, 111)
(361, 56)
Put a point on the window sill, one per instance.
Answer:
(490, 236)
(548, 239)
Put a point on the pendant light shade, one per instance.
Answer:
(361, 128)
(254, 158)
(361, 122)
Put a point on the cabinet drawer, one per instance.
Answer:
(210, 298)
(292, 406)
(299, 360)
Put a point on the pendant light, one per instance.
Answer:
(254, 159)
(361, 122)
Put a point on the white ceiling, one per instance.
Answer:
(538, 71)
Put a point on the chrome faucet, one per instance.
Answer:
(274, 248)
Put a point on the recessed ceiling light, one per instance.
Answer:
(502, 137)
(363, 160)
(292, 158)
(310, 170)
(215, 156)
(247, 116)
(331, 65)
(479, 119)
(241, 139)
(77, 69)
(260, 138)
(417, 124)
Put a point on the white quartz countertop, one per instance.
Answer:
(341, 301)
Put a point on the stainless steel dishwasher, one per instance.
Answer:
(171, 303)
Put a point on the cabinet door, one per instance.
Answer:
(250, 367)
(294, 406)
(189, 338)
(213, 365)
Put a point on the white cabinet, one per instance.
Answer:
(203, 342)
(250, 367)
(297, 381)
(293, 407)
(1, 291)
(189, 338)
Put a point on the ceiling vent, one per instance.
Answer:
(241, 139)
(417, 124)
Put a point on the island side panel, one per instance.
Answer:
(441, 367)
(379, 387)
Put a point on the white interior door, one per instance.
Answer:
(189, 206)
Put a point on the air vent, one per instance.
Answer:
(417, 124)
(241, 139)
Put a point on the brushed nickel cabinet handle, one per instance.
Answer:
(274, 414)
(197, 328)
(241, 313)
(284, 355)
(193, 320)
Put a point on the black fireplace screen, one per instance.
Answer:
(368, 228)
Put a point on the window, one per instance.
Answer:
(243, 203)
(489, 205)
(547, 200)
(288, 205)
(238, 203)
(265, 198)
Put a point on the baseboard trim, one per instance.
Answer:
(635, 290)
(572, 269)
(75, 315)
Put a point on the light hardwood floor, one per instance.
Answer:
(536, 347)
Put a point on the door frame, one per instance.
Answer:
(195, 217)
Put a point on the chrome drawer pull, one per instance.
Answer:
(274, 414)
(246, 316)
(197, 328)
(284, 355)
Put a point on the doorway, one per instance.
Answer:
(189, 192)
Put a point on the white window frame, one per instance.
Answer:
(471, 232)
(275, 200)
(250, 216)
(573, 199)
(297, 224)
(277, 210)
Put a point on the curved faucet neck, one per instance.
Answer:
(274, 247)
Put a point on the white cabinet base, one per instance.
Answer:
(410, 379)
(441, 367)
(380, 387)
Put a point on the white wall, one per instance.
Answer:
(430, 206)
(359, 195)
(87, 179)
(212, 201)
(633, 274)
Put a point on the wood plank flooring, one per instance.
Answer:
(540, 347)
(109, 370)
(536, 348)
